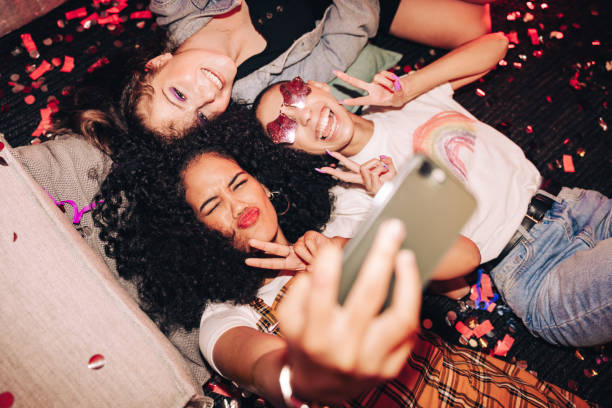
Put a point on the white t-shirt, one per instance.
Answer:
(220, 317)
(493, 167)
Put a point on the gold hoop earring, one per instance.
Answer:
(275, 196)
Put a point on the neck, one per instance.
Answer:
(230, 34)
(363, 129)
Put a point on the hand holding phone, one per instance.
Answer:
(433, 204)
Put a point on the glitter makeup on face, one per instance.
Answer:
(283, 128)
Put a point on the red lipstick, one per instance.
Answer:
(248, 217)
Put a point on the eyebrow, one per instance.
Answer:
(232, 181)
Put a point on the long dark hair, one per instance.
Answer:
(178, 264)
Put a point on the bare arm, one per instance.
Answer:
(459, 67)
(459, 260)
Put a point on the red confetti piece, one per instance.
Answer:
(503, 346)
(464, 330)
(141, 14)
(14, 236)
(503, 63)
(28, 42)
(68, 64)
(491, 307)
(533, 35)
(6, 400)
(218, 389)
(483, 328)
(45, 122)
(530, 5)
(480, 92)
(78, 13)
(38, 72)
(117, 9)
(512, 37)
(517, 65)
(112, 19)
(486, 290)
(1, 146)
(56, 62)
(427, 324)
(537, 53)
(548, 99)
(30, 99)
(86, 22)
(529, 129)
(96, 362)
(596, 43)
(97, 64)
(568, 164)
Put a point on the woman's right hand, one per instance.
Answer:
(336, 352)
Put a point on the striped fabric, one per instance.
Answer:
(438, 374)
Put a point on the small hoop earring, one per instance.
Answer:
(274, 196)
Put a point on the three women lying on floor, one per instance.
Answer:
(334, 352)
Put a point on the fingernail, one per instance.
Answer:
(386, 167)
(329, 152)
(395, 77)
(335, 71)
(382, 157)
(341, 102)
(319, 170)
(397, 85)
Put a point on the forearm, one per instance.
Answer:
(462, 258)
(459, 67)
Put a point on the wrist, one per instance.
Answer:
(284, 380)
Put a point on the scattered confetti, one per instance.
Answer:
(533, 35)
(590, 372)
(38, 72)
(14, 233)
(480, 92)
(6, 400)
(529, 129)
(96, 362)
(427, 324)
(68, 64)
(78, 13)
(30, 99)
(568, 164)
(556, 34)
(603, 124)
(141, 14)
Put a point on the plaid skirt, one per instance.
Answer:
(439, 374)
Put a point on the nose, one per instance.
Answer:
(204, 92)
(300, 115)
(237, 207)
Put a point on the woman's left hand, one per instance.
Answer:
(386, 89)
(371, 174)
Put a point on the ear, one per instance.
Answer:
(320, 85)
(159, 61)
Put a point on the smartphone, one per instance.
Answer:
(433, 204)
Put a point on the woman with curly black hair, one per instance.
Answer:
(181, 221)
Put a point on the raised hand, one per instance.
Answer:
(285, 257)
(334, 351)
(371, 174)
(386, 89)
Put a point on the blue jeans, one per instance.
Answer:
(558, 280)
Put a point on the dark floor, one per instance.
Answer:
(551, 98)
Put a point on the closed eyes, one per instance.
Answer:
(178, 94)
(201, 118)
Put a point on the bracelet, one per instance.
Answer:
(284, 379)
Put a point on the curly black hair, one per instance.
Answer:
(177, 263)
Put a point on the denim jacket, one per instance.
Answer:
(334, 43)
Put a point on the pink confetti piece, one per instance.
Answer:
(30, 99)
(480, 92)
(68, 64)
(482, 329)
(529, 129)
(491, 307)
(112, 19)
(486, 289)
(503, 346)
(38, 72)
(568, 164)
(556, 34)
(533, 35)
(28, 42)
(86, 22)
(118, 8)
(6, 400)
(513, 37)
(141, 14)
(96, 362)
(78, 13)
(464, 330)
(100, 62)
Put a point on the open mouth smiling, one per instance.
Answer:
(326, 125)
(214, 78)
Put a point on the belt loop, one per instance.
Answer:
(547, 194)
(525, 233)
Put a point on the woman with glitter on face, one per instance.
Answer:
(232, 48)
(552, 243)
(196, 213)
